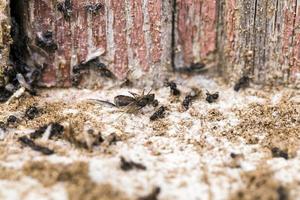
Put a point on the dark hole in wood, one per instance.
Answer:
(18, 52)
(21, 63)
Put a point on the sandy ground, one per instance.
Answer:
(243, 146)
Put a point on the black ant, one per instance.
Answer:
(242, 83)
(160, 113)
(210, 98)
(193, 68)
(65, 8)
(45, 41)
(94, 8)
(173, 88)
(32, 112)
(95, 64)
(189, 98)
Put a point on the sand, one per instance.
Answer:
(243, 146)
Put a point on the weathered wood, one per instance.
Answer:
(135, 38)
(130, 36)
(195, 31)
(259, 39)
(5, 38)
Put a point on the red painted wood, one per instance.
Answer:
(126, 34)
(195, 31)
(133, 38)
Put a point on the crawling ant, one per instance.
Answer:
(65, 8)
(136, 102)
(132, 104)
(173, 88)
(94, 8)
(276, 153)
(210, 98)
(31, 112)
(160, 113)
(189, 98)
(94, 63)
(45, 41)
(187, 101)
(242, 83)
(192, 69)
(12, 119)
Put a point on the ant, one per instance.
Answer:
(94, 8)
(132, 103)
(45, 41)
(189, 98)
(192, 69)
(160, 113)
(210, 98)
(65, 8)
(242, 83)
(94, 64)
(173, 88)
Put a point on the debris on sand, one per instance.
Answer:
(48, 131)
(277, 153)
(152, 196)
(130, 165)
(30, 143)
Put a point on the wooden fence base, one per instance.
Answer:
(142, 39)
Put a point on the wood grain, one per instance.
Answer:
(128, 36)
(140, 39)
(195, 31)
(259, 39)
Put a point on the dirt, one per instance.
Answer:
(76, 178)
(260, 184)
(271, 126)
(229, 148)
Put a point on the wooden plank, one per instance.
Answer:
(259, 39)
(256, 38)
(129, 35)
(195, 31)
